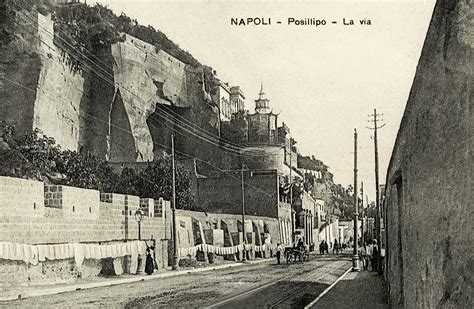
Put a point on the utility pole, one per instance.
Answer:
(362, 215)
(243, 212)
(175, 234)
(355, 258)
(377, 187)
(367, 214)
(293, 219)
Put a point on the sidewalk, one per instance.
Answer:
(20, 292)
(355, 290)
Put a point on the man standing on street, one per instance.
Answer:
(370, 250)
(375, 255)
(278, 253)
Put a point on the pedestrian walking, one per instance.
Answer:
(321, 247)
(279, 252)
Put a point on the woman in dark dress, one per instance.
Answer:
(149, 265)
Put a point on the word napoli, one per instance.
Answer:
(267, 21)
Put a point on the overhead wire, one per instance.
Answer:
(91, 68)
(154, 142)
(183, 125)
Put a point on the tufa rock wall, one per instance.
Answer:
(429, 181)
(37, 72)
(111, 106)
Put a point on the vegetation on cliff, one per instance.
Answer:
(35, 156)
(235, 130)
(9, 12)
(7, 16)
(86, 32)
(339, 200)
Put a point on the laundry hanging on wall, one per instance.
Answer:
(32, 254)
(206, 248)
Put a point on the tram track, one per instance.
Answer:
(304, 279)
(302, 288)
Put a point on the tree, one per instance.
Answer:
(127, 183)
(156, 181)
(236, 130)
(85, 172)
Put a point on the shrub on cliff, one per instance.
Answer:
(7, 16)
(9, 10)
(235, 131)
(89, 28)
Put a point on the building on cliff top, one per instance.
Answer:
(261, 134)
(230, 101)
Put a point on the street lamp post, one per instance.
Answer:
(139, 218)
(355, 258)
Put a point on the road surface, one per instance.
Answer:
(263, 285)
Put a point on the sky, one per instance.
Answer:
(323, 80)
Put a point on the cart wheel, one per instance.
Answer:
(289, 258)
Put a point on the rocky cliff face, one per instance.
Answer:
(36, 76)
(112, 107)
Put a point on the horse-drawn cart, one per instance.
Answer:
(293, 254)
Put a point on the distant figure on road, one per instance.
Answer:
(326, 248)
(362, 256)
(300, 243)
(278, 252)
(335, 249)
(321, 248)
(375, 255)
(370, 250)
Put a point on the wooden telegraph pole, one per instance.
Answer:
(377, 188)
(175, 234)
(244, 235)
(362, 212)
